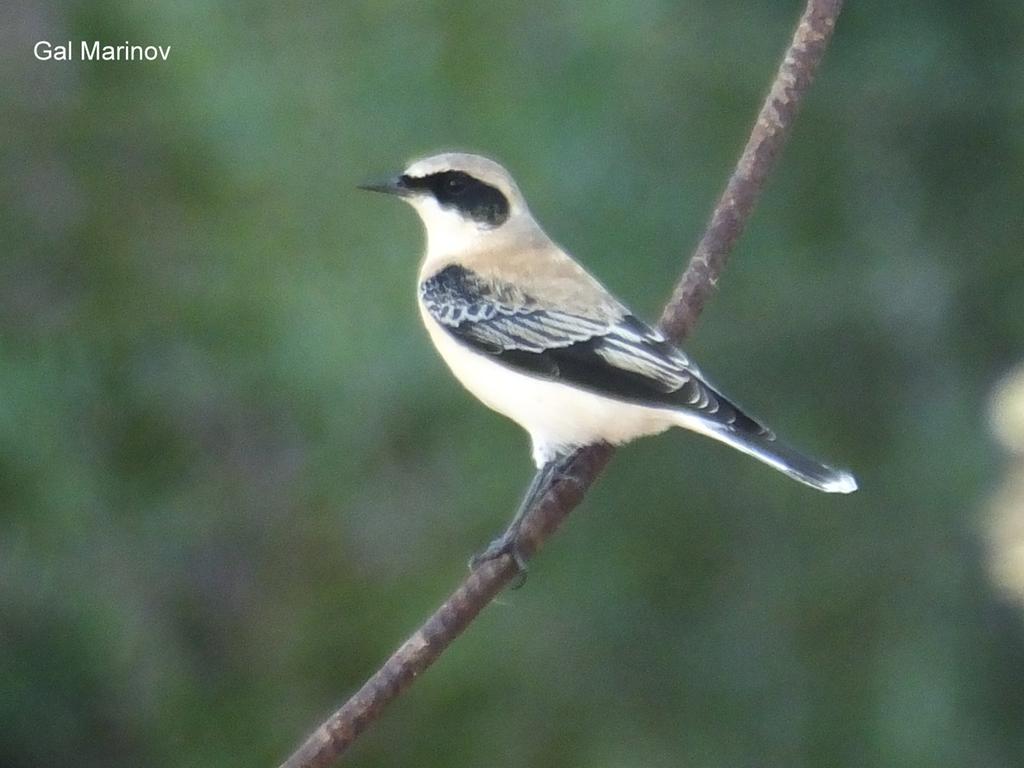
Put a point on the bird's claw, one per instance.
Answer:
(506, 544)
(552, 473)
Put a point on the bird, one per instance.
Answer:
(533, 335)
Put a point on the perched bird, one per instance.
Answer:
(533, 335)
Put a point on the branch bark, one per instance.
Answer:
(793, 79)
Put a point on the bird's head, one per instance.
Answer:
(465, 201)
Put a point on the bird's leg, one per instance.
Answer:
(553, 471)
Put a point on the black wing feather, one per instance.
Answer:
(621, 358)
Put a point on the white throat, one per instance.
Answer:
(448, 233)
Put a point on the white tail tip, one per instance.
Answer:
(844, 483)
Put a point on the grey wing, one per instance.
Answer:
(615, 355)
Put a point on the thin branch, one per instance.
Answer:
(769, 134)
(792, 81)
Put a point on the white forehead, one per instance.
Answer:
(477, 165)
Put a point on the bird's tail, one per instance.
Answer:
(766, 448)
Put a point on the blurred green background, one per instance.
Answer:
(234, 475)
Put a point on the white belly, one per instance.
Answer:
(557, 416)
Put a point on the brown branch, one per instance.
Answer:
(766, 140)
(792, 81)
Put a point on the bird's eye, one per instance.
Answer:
(455, 185)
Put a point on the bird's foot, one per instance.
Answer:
(506, 544)
(554, 472)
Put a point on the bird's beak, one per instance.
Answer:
(392, 186)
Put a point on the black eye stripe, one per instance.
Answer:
(473, 198)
